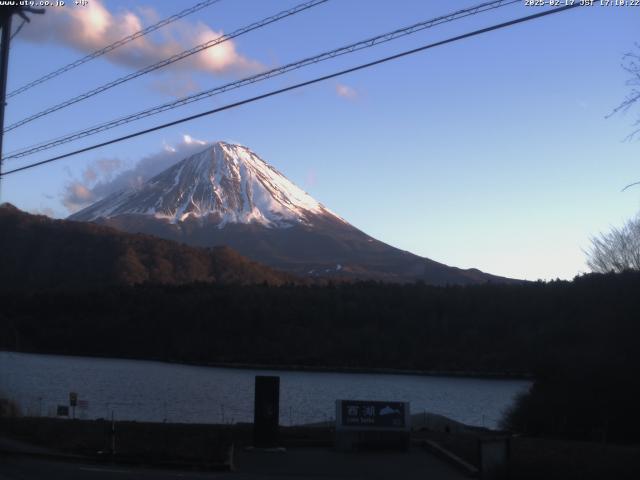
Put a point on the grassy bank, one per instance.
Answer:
(142, 442)
(153, 443)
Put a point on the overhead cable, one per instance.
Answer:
(168, 61)
(298, 85)
(368, 43)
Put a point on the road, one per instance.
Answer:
(295, 464)
(25, 468)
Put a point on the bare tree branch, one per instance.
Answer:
(631, 65)
(630, 185)
(616, 251)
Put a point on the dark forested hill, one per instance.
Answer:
(37, 252)
(490, 328)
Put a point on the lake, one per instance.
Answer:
(156, 391)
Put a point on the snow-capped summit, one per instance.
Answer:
(224, 183)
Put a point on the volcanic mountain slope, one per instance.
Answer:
(37, 252)
(227, 195)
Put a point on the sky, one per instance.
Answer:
(494, 152)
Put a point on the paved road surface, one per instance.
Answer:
(25, 468)
(300, 463)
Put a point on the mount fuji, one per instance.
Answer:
(227, 195)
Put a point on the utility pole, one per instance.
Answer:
(6, 14)
(4, 64)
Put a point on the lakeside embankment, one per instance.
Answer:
(216, 447)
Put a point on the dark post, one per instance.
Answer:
(266, 412)
(5, 23)
(4, 65)
(73, 401)
(494, 457)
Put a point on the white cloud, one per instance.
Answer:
(101, 178)
(102, 168)
(92, 27)
(345, 91)
(189, 140)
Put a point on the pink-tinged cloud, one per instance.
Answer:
(77, 196)
(345, 91)
(92, 27)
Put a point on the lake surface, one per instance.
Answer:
(156, 391)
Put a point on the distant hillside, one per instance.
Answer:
(37, 252)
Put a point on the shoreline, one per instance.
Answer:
(368, 370)
(312, 368)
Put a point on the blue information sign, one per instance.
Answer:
(361, 413)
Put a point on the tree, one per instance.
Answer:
(631, 64)
(619, 250)
(616, 251)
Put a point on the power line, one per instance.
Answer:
(110, 47)
(298, 85)
(368, 43)
(168, 61)
(14, 35)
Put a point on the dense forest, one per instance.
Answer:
(38, 252)
(579, 338)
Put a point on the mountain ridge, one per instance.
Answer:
(227, 195)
